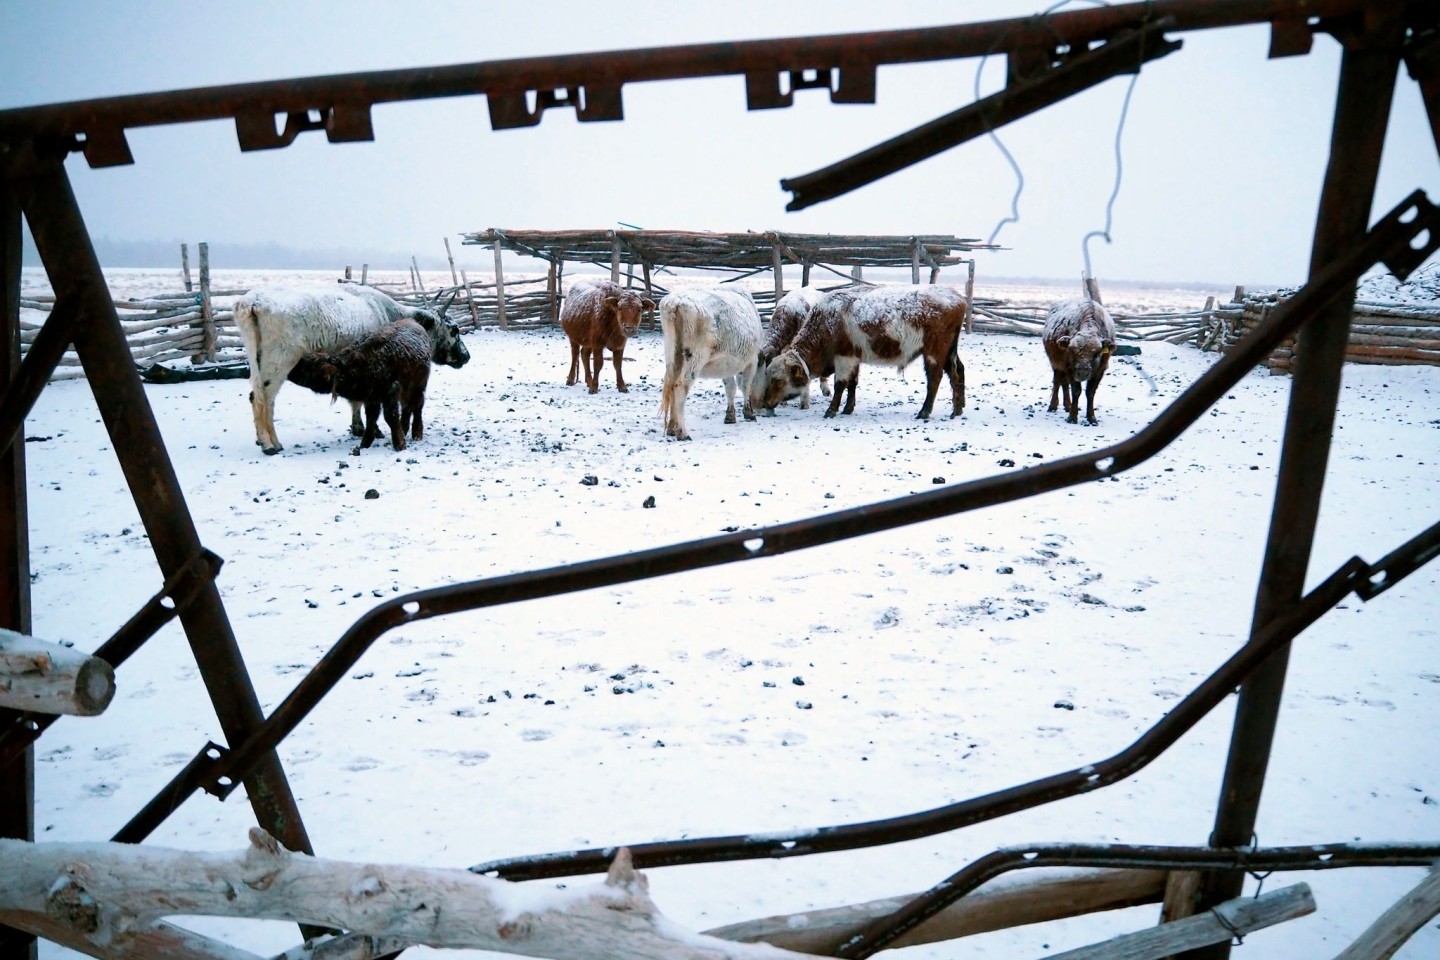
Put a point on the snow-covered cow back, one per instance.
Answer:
(1079, 337)
(279, 325)
(892, 326)
(708, 333)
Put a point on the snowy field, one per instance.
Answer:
(881, 676)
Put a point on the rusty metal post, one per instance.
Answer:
(60, 235)
(1362, 110)
(17, 784)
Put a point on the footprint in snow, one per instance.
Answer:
(534, 736)
(1047, 732)
(362, 763)
(101, 789)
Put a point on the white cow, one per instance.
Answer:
(279, 325)
(708, 333)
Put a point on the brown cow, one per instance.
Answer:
(1079, 338)
(894, 325)
(600, 315)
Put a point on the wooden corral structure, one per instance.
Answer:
(1381, 333)
(76, 894)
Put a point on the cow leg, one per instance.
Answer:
(392, 417)
(592, 358)
(933, 372)
(745, 380)
(677, 411)
(1090, 389)
(1055, 383)
(730, 397)
(619, 377)
(825, 386)
(844, 367)
(372, 418)
(956, 369)
(417, 423)
(851, 383)
(262, 403)
(804, 397)
(1072, 406)
(574, 373)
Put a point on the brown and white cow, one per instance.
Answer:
(708, 333)
(892, 326)
(1079, 338)
(785, 323)
(810, 353)
(600, 315)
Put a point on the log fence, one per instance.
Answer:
(1381, 333)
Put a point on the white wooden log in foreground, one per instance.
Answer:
(107, 893)
(43, 677)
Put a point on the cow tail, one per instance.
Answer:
(245, 317)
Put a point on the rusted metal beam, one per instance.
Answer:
(17, 783)
(45, 195)
(1368, 71)
(1125, 54)
(272, 114)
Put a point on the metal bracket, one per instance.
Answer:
(342, 123)
(849, 83)
(1399, 563)
(592, 102)
(1291, 38)
(106, 147)
(1403, 261)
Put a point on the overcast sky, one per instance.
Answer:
(1224, 150)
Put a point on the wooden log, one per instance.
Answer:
(102, 892)
(650, 293)
(1092, 289)
(1408, 353)
(451, 257)
(43, 677)
(914, 260)
(470, 300)
(970, 297)
(614, 258)
(1230, 919)
(1373, 340)
(777, 265)
(364, 274)
(161, 941)
(419, 280)
(805, 274)
(1398, 924)
(207, 309)
(499, 285)
(185, 265)
(1001, 904)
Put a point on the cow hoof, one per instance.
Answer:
(271, 451)
(729, 418)
(923, 415)
(1072, 419)
(750, 416)
(829, 414)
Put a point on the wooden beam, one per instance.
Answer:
(185, 265)
(161, 941)
(779, 269)
(500, 288)
(45, 677)
(470, 300)
(970, 298)
(448, 256)
(1398, 924)
(614, 258)
(207, 309)
(1003, 903)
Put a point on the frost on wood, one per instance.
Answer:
(48, 678)
(107, 893)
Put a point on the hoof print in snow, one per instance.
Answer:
(803, 704)
(372, 494)
(798, 681)
(1093, 600)
(590, 480)
(767, 683)
(1064, 705)
(937, 479)
(1007, 462)
(649, 503)
(1005, 570)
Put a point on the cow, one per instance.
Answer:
(600, 315)
(279, 325)
(892, 326)
(388, 370)
(1079, 337)
(708, 333)
(809, 354)
(785, 322)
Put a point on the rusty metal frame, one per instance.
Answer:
(1048, 58)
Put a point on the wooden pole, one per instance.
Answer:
(649, 291)
(1398, 924)
(347, 273)
(44, 677)
(934, 274)
(419, 282)
(1092, 289)
(185, 266)
(857, 273)
(207, 309)
(451, 257)
(470, 299)
(970, 297)
(364, 273)
(552, 292)
(779, 268)
(614, 258)
(915, 260)
(805, 274)
(500, 289)
(559, 288)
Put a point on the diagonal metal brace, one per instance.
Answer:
(1124, 54)
(19, 729)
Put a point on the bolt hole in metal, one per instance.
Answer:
(755, 544)
(1421, 241)
(213, 753)
(411, 608)
(1378, 578)
(167, 602)
(1105, 464)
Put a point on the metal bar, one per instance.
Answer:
(1083, 71)
(64, 246)
(18, 728)
(40, 362)
(1368, 71)
(1233, 861)
(17, 785)
(339, 99)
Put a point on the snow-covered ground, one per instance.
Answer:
(884, 675)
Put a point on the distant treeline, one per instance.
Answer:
(223, 255)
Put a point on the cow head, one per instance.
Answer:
(780, 380)
(449, 349)
(1084, 350)
(629, 308)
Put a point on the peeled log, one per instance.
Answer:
(106, 893)
(45, 677)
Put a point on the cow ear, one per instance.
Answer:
(648, 304)
(425, 320)
(611, 301)
(1063, 341)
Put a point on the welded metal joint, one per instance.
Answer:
(846, 83)
(342, 123)
(1291, 38)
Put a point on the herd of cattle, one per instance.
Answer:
(357, 343)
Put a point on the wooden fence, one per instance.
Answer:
(1381, 333)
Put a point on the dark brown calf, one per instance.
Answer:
(388, 370)
(598, 316)
(1079, 338)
